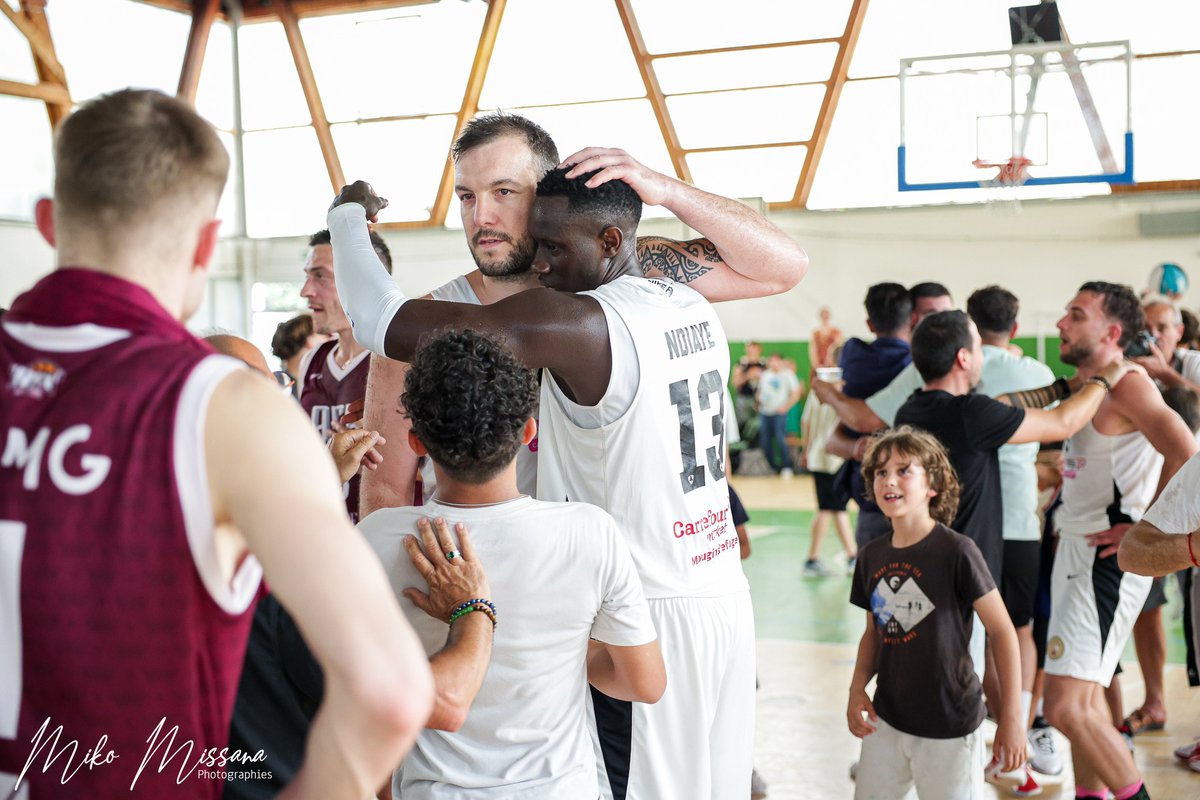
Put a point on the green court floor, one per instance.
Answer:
(789, 606)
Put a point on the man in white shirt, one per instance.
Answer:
(778, 390)
(570, 604)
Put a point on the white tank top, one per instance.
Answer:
(456, 291)
(659, 467)
(459, 291)
(1106, 479)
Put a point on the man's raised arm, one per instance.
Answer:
(743, 253)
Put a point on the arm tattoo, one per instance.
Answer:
(679, 261)
(1039, 398)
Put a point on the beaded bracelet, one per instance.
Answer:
(486, 607)
(474, 601)
(1191, 553)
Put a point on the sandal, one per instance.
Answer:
(1141, 722)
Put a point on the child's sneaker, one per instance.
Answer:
(1043, 751)
(1029, 788)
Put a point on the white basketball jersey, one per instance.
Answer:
(1106, 479)
(459, 291)
(658, 468)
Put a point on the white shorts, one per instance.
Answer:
(698, 740)
(1093, 606)
(892, 763)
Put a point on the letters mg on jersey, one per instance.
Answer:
(29, 452)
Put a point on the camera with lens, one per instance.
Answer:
(1140, 345)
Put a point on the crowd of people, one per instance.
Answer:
(542, 596)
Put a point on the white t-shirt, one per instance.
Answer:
(887, 401)
(774, 389)
(559, 574)
(1004, 372)
(658, 466)
(1177, 509)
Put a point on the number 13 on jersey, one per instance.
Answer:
(693, 476)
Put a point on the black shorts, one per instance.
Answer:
(1018, 579)
(829, 498)
(736, 509)
(1157, 597)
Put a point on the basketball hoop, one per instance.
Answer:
(1013, 172)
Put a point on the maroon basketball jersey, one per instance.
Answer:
(325, 391)
(115, 624)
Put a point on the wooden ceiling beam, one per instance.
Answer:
(36, 34)
(316, 109)
(255, 12)
(841, 68)
(654, 92)
(726, 148)
(52, 93)
(737, 48)
(469, 106)
(31, 21)
(203, 14)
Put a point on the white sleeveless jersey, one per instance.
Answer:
(659, 467)
(459, 291)
(1106, 479)
(456, 291)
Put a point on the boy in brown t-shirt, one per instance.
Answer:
(920, 585)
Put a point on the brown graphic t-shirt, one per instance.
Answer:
(921, 597)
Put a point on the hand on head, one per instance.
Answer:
(653, 187)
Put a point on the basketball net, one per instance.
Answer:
(1011, 173)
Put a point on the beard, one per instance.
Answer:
(518, 263)
(1075, 354)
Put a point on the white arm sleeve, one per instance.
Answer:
(369, 295)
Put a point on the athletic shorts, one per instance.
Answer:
(1157, 597)
(892, 763)
(1018, 579)
(829, 498)
(697, 741)
(1093, 606)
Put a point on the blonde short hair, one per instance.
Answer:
(120, 156)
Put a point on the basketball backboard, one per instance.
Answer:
(1045, 113)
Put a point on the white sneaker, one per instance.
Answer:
(1184, 752)
(815, 569)
(1043, 752)
(786, 473)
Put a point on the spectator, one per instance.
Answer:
(824, 341)
(778, 390)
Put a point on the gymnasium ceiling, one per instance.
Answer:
(791, 101)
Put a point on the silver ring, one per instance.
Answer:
(453, 554)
